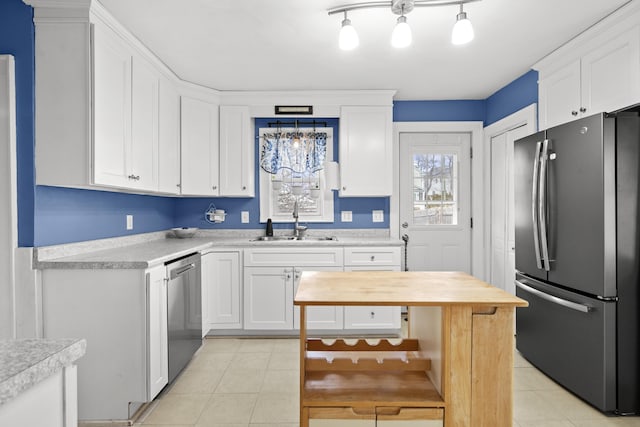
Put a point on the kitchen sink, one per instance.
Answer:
(295, 239)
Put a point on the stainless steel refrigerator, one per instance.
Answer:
(577, 214)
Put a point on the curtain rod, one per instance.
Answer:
(296, 123)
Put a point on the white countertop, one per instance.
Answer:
(145, 254)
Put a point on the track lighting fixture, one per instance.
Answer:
(348, 39)
(462, 30)
(401, 37)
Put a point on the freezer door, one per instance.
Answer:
(581, 205)
(526, 168)
(571, 338)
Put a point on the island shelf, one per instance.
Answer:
(454, 368)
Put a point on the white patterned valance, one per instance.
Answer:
(299, 152)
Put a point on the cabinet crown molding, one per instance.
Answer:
(65, 4)
(612, 25)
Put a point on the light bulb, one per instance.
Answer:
(348, 39)
(401, 36)
(462, 30)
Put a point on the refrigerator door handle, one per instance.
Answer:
(563, 302)
(542, 205)
(534, 205)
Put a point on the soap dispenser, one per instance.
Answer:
(269, 228)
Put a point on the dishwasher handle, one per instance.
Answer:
(560, 301)
(178, 271)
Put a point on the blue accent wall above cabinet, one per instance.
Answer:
(518, 94)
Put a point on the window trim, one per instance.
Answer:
(266, 191)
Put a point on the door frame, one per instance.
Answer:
(477, 187)
(8, 195)
(528, 116)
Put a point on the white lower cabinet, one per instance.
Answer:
(158, 365)
(122, 313)
(54, 397)
(370, 259)
(270, 279)
(221, 291)
(318, 317)
(268, 298)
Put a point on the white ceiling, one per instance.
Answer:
(293, 44)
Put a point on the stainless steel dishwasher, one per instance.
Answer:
(184, 311)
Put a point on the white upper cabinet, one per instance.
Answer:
(199, 138)
(236, 152)
(112, 108)
(169, 138)
(599, 71)
(366, 151)
(143, 164)
(97, 104)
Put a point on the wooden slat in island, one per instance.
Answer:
(460, 331)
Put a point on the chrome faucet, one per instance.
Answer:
(298, 230)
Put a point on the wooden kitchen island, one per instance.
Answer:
(454, 369)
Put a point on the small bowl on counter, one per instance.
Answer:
(184, 232)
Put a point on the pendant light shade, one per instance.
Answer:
(462, 30)
(348, 39)
(401, 36)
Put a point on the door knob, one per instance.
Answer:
(574, 113)
(405, 224)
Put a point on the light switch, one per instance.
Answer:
(346, 216)
(244, 217)
(377, 216)
(129, 222)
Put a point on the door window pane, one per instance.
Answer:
(435, 189)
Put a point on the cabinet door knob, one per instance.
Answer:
(574, 113)
(244, 188)
(373, 314)
(214, 187)
(373, 257)
(405, 224)
(178, 185)
(583, 110)
(344, 188)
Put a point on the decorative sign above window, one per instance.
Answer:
(294, 109)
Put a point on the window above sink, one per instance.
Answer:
(292, 167)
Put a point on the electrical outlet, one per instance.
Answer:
(346, 216)
(129, 222)
(244, 217)
(377, 216)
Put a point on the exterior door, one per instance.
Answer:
(435, 200)
(502, 273)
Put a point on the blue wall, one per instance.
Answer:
(49, 215)
(68, 215)
(17, 39)
(439, 111)
(518, 94)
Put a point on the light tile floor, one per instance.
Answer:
(254, 383)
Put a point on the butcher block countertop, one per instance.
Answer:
(412, 288)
